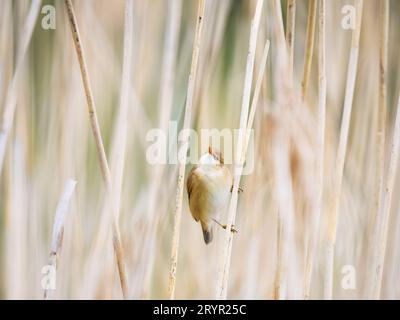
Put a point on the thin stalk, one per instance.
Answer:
(98, 141)
(279, 280)
(278, 24)
(384, 209)
(120, 133)
(89, 95)
(283, 189)
(290, 29)
(222, 281)
(312, 14)
(256, 95)
(341, 153)
(119, 141)
(312, 249)
(285, 201)
(165, 105)
(377, 217)
(58, 227)
(169, 62)
(184, 148)
(10, 103)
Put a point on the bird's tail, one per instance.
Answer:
(207, 232)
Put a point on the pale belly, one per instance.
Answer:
(211, 196)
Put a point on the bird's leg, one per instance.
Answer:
(223, 226)
(239, 190)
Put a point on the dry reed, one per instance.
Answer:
(223, 273)
(290, 30)
(312, 15)
(165, 101)
(58, 227)
(384, 209)
(280, 148)
(105, 170)
(49, 140)
(312, 249)
(341, 154)
(11, 97)
(378, 219)
(184, 147)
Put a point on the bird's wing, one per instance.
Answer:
(190, 184)
(190, 181)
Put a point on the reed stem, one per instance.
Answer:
(312, 247)
(312, 15)
(341, 154)
(378, 219)
(58, 227)
(10, 103)
(223, 274)
(184, 148)
(105, 170)
(290, 30)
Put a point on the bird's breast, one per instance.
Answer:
(210, 193)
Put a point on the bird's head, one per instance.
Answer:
(212, 157)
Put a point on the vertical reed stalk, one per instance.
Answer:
(11, 96)
(285, 201)
(290, 29)
(312, 248)
(58, 227)
(99, 142)
(165, 105)
(184, 148)
(283, 189)
(120, 133)
(169, 62)
(256, 95)
(119, 141)
(377, 218)
(312, 14)
(279, 280)
(341, 154)
(222, 281)
(384, 209)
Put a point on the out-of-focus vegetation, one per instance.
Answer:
(50, 141)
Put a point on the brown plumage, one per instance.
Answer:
(208, 187)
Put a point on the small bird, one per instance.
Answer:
(209, 187)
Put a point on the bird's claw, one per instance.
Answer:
(239, 190)
(233, 230)
(224, 226)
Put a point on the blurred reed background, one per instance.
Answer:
(50, 141)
